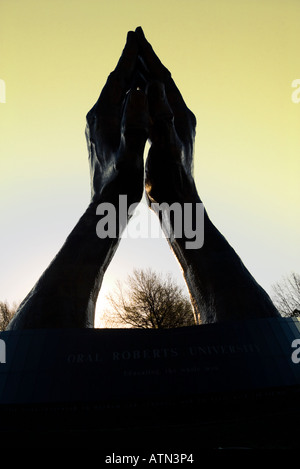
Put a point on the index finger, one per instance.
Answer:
(156, 70)
(120, 80)
(127, 63)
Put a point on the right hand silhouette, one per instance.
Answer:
(169, 163)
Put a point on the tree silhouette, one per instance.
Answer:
(149, 301)
(286, 295)
(6, 314)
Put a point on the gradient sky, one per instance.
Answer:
(234, 62)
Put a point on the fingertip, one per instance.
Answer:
(139, 31)
(141, 37)
(130, 37)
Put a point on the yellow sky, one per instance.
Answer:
(234, 62)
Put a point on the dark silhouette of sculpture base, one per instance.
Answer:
(140, 101)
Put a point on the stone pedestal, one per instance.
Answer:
(222, 385)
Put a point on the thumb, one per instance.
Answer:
(135, 122)
(163, 130)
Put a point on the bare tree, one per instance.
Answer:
(149, 301)
(6, 314)
(286, 295)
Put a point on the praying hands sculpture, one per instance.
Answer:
(140, 101)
